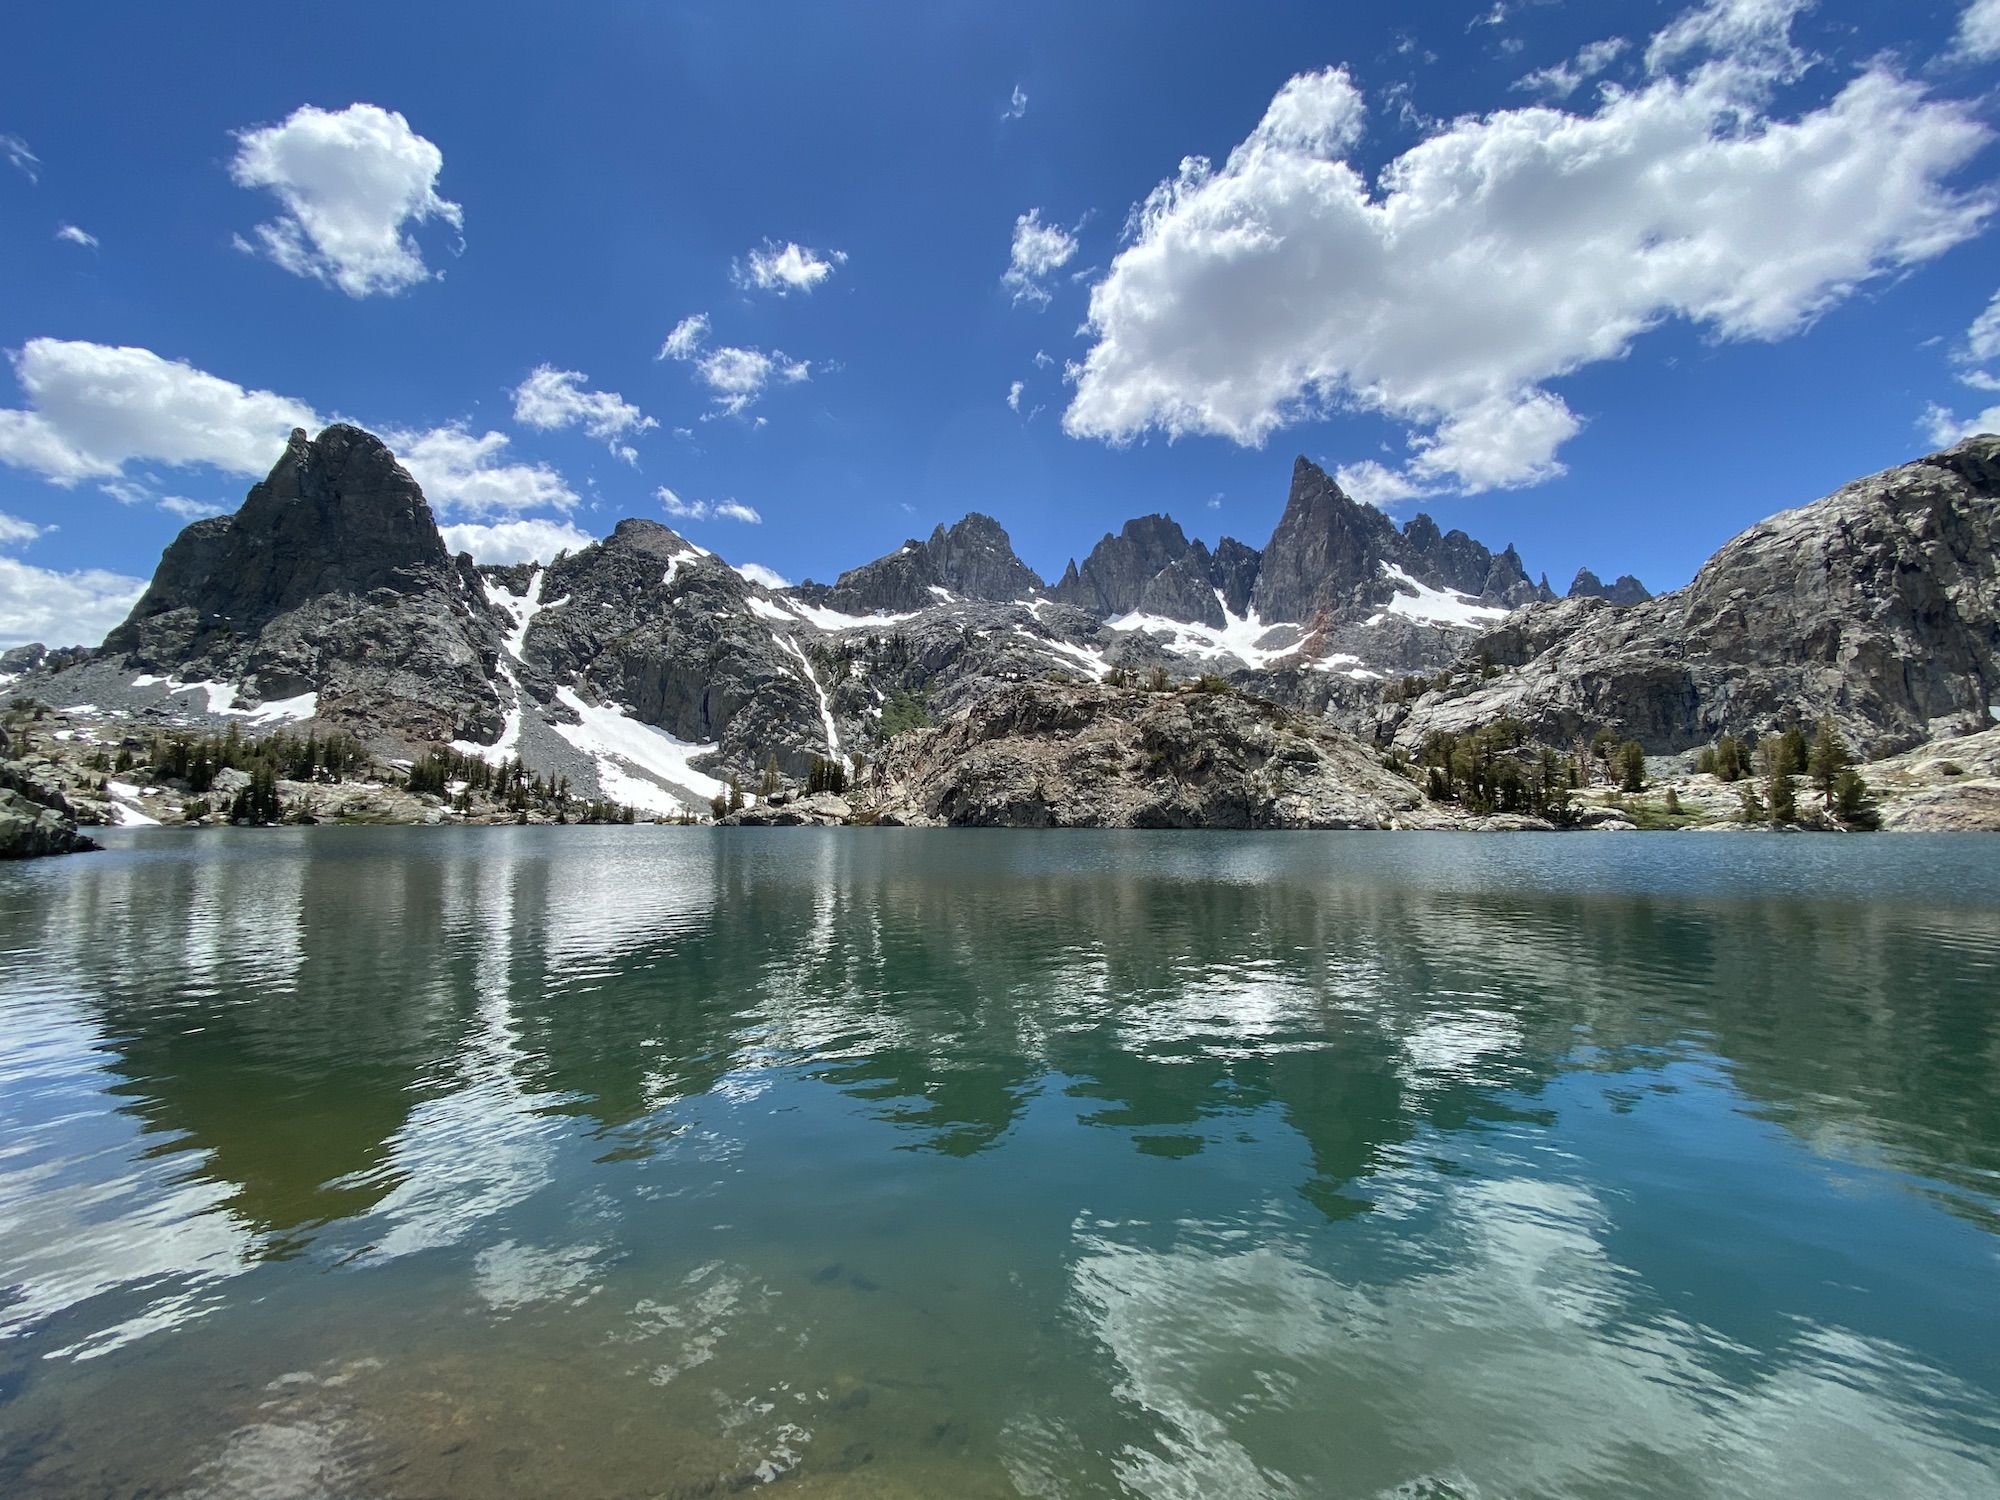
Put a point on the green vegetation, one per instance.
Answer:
(1492, 770)
(826, 776)
(198, 760)
(1631, 766)
(905, 711)
(445, 772)
(1727, 761)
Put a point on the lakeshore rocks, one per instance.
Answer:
(30, 829)
(1063, 755)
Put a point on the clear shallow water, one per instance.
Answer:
(638, 1162)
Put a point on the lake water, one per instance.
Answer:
(665, 1162)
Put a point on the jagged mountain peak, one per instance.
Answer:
(973, 558)
(1625, 590)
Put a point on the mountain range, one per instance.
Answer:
(647, 669)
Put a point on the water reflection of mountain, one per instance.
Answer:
(281, 1007)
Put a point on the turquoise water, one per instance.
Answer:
(664, 1162)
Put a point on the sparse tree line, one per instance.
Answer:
(1495, 769)
(448, 773)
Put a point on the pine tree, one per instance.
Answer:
(1850, 799)
(1795, 749)
(1829, 758)
(1782, 801)
(1631, 766)
(1751, 806)
(735, 795)
(768, 787)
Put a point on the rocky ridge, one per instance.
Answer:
(647, 670)
(1879, 606)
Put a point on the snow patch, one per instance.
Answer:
(125, 806)
(633, 759)
(1093, 660)
(786, 643)
(1432, 606)
(1241, 637)
(521, 609)
(304, 706)
(222, 698)
(764, 609)
(833, 619)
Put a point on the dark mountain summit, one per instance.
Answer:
(973, 559)
(1627, 590)
(332, 580)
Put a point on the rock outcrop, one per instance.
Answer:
(35, 818)
(1085, 755)
(332, 580)
(1879, 605)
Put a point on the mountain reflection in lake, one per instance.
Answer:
(653, 1161)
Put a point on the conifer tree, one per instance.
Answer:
(768, 787)
(1631, 766)
(1829, 758)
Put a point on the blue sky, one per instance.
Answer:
(1608, 282)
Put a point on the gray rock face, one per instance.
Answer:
(1151, 568)
(973, 559)
(1325, 564)
(29, 830)
(332, 578)
(1326, 556)
(1627, 589)
(1114, 577)
(1053, 755)
(1879, 605)
(646, 621)
(35, 819)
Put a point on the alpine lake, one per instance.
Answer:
(660, 1162)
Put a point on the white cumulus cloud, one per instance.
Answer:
(551, 398)
(785, 268)
(62, 608)
(1980, 348)
(1014, 394)
(1509, 250)
(735, 377)
(1757, 33)
(1979, 30)
(686, 337)
(705, 510)
(352, 182)
(462, 472)
(532, 539)
(771, 578)
(1038, 250)
(77, 236)
(92, 408)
